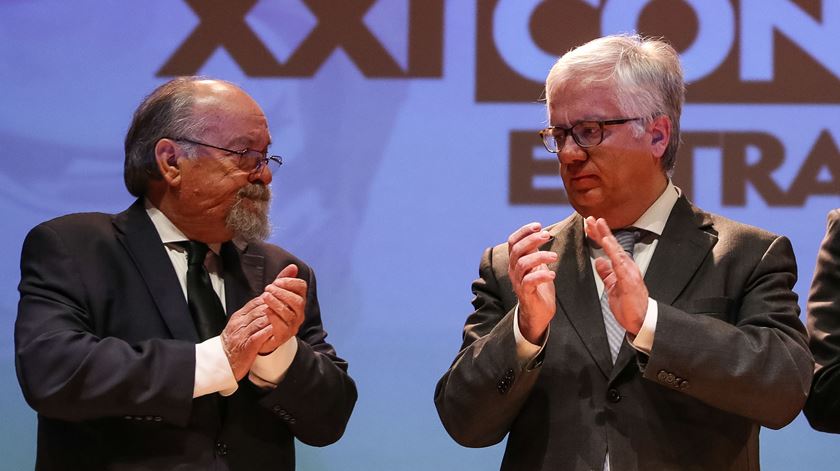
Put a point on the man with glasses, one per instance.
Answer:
(170, 336)
(640, 333)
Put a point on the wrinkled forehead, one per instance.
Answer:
(573, 101)
(231, 114)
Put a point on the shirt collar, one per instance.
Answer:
(654, 219)
(169, 232)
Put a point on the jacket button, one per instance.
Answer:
(613, 395)
(662, 376)
(221, 448)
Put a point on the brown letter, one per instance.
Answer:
(222, 25)
(737, 172)
(523, 167)
(824, 155)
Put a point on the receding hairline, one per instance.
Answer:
(214, 92)
(212, 100)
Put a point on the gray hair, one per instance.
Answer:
(645, 72)
(166, 112)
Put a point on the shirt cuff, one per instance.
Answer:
(525, 350)
(212, 369)
(644, 339)
(268, 370)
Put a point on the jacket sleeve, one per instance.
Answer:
(67, 371)
(481, 394)
(823, 406)
(316, 396)
(755, 363)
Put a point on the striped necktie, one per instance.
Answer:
(615, 332)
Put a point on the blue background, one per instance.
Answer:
(391, 190)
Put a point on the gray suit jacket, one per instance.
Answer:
(823, 407)
(729, 356)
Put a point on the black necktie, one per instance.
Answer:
(205, 306)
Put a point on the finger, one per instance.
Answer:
(614, 251)
(528, 244)
(251, 346)
(596, 229)
(590, 229)
(283, 313)
(603, 228)
(254, 323)
(275, 305)
(621, 264)
(295, 285)
(593, 229)
(532, 280)
(523, 231)
(627, 272)
(236, 332)
(533, 261)
(603, 267)
(290, 271)
(290, 298)
(289, 308)
(248, 307)
(240, 319)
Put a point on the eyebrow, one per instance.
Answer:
(244, 142)
(584, 119)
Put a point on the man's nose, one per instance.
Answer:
(570, 152)
(262, 175)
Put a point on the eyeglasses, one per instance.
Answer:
(250, 160)
(585, 133)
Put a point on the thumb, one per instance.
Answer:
(290, 271)
(603, 267)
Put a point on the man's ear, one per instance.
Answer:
(660, 135)
(166, 157)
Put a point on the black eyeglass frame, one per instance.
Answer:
(549, 132)
(261, 163)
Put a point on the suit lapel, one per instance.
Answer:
(684, 244)
(243, 275)
(577, 295)
(142, 242)
(682, 247)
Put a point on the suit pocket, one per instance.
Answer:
(718, 307)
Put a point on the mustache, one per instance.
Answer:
(255, 191)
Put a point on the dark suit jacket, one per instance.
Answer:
(105, 353)
(729, 355)
(823, 406)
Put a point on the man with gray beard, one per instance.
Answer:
(170, 336)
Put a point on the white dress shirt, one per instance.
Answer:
(212, 368)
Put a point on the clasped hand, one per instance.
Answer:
(265, 322)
